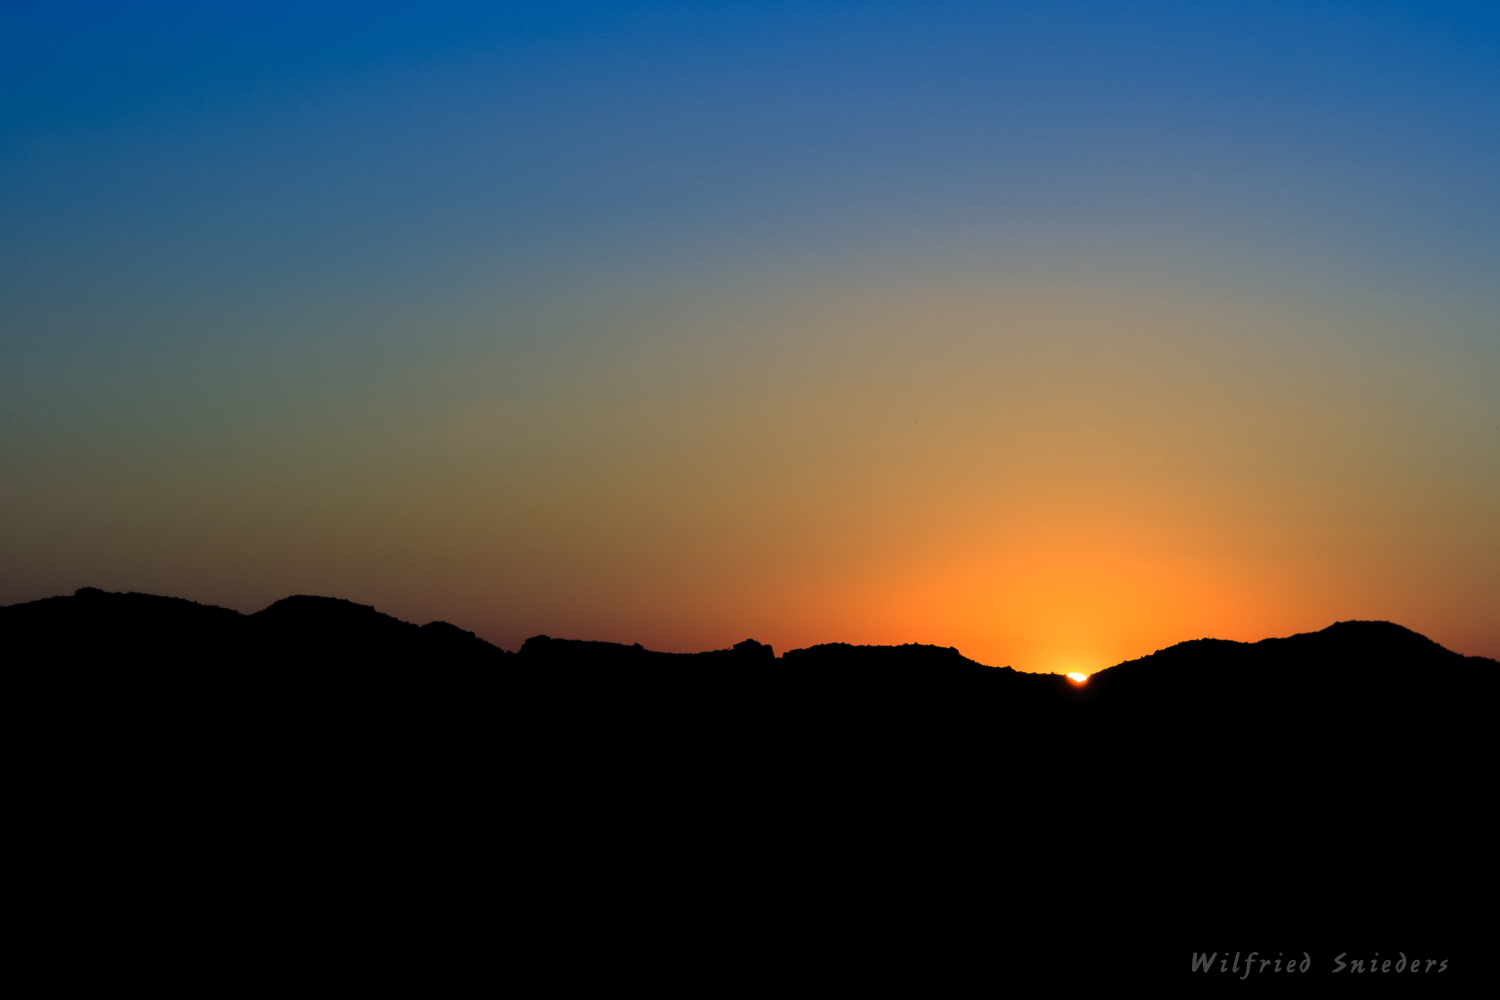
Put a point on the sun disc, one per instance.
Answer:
(1077, 678)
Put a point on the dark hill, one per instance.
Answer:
(1211, 795)
(93, 628)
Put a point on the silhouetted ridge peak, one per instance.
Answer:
(593, 653)
(345, 634)
(306, 604)
(546, 647)
(910, 652)
(1363, 633)
(330, 616)
(90, 604)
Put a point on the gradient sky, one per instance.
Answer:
(1057, 332)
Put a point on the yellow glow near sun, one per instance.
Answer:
(1077, 678)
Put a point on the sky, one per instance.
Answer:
(1055, 332)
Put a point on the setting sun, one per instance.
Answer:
(1078, 678)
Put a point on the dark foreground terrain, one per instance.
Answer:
(318, 771)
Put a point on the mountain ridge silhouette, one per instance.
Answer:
(324, 619)
(1313, 789)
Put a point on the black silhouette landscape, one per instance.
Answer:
(1306, 786)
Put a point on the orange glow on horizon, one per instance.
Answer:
(1056, 480)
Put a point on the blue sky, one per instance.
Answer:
(266, 231)
(324, 147)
